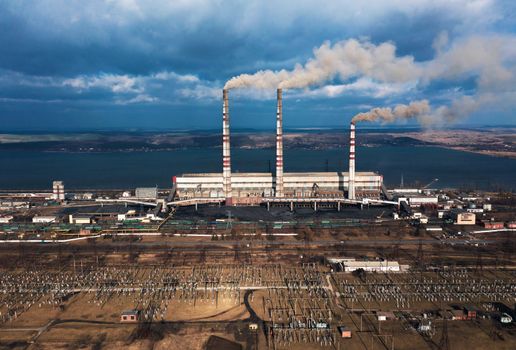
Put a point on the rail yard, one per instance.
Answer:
(219, 277)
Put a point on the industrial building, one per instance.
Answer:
(250, 188)
(351, 264)
(146, 192)
(6, 219)
(58, 192)
(80, 219)
(461, 217)
(44, 219)
(255, 188)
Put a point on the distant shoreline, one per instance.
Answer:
(499, 142)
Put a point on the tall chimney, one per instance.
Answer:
(351, 175)
(279, 146)
(226, 150)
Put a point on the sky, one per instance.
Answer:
(157, 64)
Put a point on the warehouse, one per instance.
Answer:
(351, 264)
(80, 219)
(44, 219)
(461, 217)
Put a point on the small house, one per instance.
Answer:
(344, 331)
(130, 316)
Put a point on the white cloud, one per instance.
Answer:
(142, 98)
(362, 87)
(115, 83)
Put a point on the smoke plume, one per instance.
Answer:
(345, 59)
(490, 60)
(416, 109)
(424, 114)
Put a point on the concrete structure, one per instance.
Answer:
(226, 150)
(461, 217)
(146, 193)
(351, 173)
(58, 193)
(79, 219)
(279, 146)
(44, 219)
(250, 188)
(417, 201)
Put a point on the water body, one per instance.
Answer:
(36, 170)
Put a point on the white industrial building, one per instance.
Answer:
(146, 192)
(372, 266)
(417, 201)
(80, 219)
(351, 264)
(45, 219)
(6, 219)
(253, 188)
(132, 215)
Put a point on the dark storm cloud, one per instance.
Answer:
(99, 53)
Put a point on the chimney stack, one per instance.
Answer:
(226, 150)
(351, 175)
(279, 146)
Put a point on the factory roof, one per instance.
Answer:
(220, 174)
(371, 264)
(233, 174)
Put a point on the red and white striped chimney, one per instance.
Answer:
(351, 175)
(279, 145)
(226, 150)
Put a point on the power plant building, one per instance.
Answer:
(253, 188)
(250, 188)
